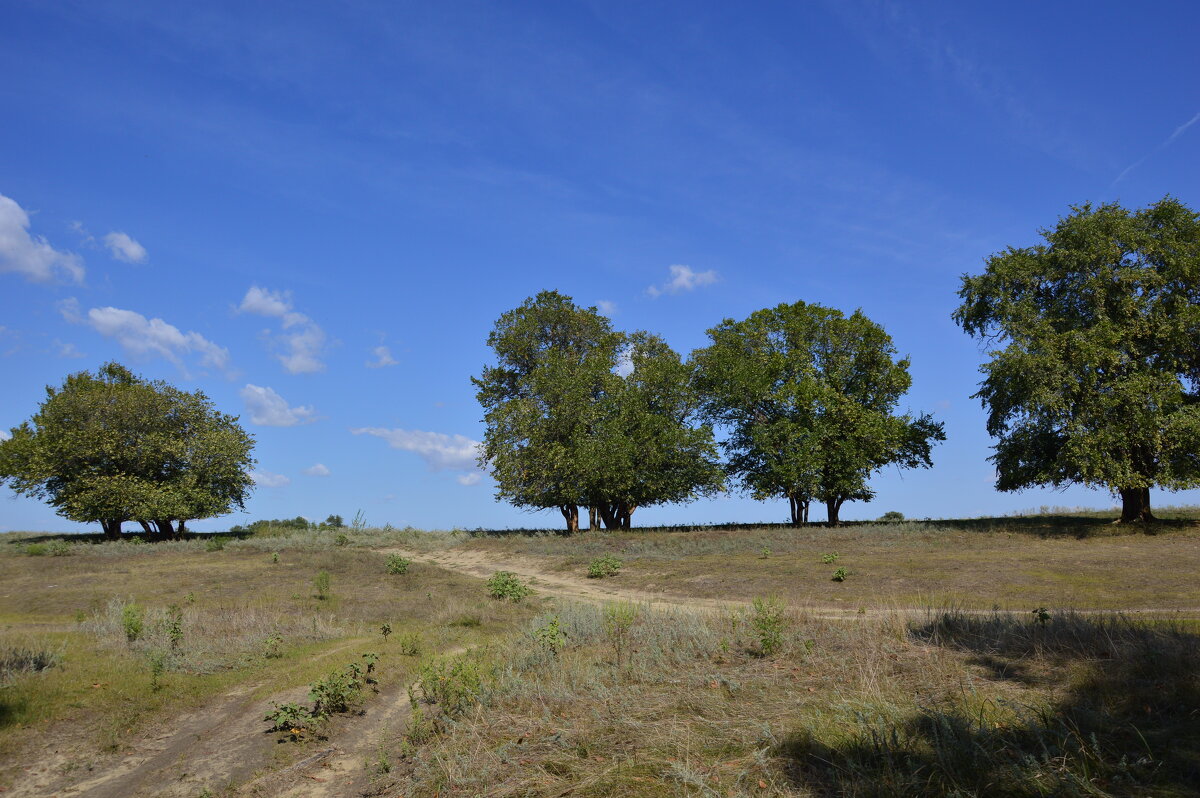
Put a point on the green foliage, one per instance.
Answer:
(174, 624)
(333, 522)
(765, 553)
(892, 516)
(453, 684)
(132, 621)
(809, 395)
(321, 582)
(385, 630)
(338, 691)
(16, 660)
(275, 558)
(1041, 616)
(506, 585)
(830, 558)
(214, 544)
(36, 549)
(113, 447)
(619, 619)
(156, 658)
(410, 644)
(565, 427)
(768, 621)
(291, 718)
(370, 659)
(397, 565)
(342, 539)
(1096, 367)
(840, 575)
(60, 548)
(550, 635)
(604, 566)
(273, 647)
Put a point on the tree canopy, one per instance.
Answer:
(1096, 377)
(808, 397)
(566, 427)
(113, 447)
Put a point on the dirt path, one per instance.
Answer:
(210, 747)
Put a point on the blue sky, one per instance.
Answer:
(315, 213)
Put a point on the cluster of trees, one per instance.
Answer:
(1094, 380)
(579, 414)
(112, 447)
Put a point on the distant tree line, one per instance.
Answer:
(1092, 378)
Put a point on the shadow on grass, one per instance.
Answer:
(97, 538)
(1126, 720)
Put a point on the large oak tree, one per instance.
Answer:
(808, 396)
(1095, 378)
(112, 447)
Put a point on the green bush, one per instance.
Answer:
(290, 717)
(60, 548)
(410, 644)
(506, 585)
(397, 564)
(550, 635)
(337, 692)
(768, 622)
(830, 559)
(132, 621)
(17, 660)
(619, 618)
(840, 575)
(603, 567)
(37, 549)
(214, 544)
(892, 516)
(342, 539)
(273, 647)
(454, 684)
(321, 583)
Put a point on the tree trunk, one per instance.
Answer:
(181, 530)
(571, 514)
(593, 519)
(111, 527)
(625, 515)
(832, 507)
(1135, 506)
(799, 510)
(165, 529)
(149, 530)
(610, 514)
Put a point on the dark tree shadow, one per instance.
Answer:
(1127, 722)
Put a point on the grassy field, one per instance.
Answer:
(146, 669)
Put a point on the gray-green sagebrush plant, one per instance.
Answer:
(580, 414)
(1096, 376)
(113, 447)
(808, 395)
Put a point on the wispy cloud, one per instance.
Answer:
(302, 339)
(383, 358)
(607, 307)
(683, 278)
(5, 434)
(32, 256)
(68, 349)
(1179, 131)
(317, 470)
(148, 337)
(125, 248)
(268, 408)
(441, 452)
(270, 480)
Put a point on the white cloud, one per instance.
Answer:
(141, 336)
(303, 340)
(5, 434)
(125, 248)
(383, 357)
(29, 255)
(683, 279)
(607, 307)
(270, 480)
(268, 408)
(69, 308)
(67, 349)
(317, 470)
(440, 452)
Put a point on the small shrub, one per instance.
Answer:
(830, 558)
(410, 644)
(840, 575)
(768, 622)
(454, 684)
(385, 630)
(273, 647)
(371, 658)
(550, 636)
(16, 660)
(337, 692)
(60, 548)
(36, 549)
(157, 659)
(214, 544)
(342, 539)
(603, 567)
(467, 621)
(321, 583)
(505, 585)
(892, 516)
(765, 554)
(175, 626)
(132, 621)
(290, 717)
(619, 619)
(397, 564)
(275, 558)
(1041, 616)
